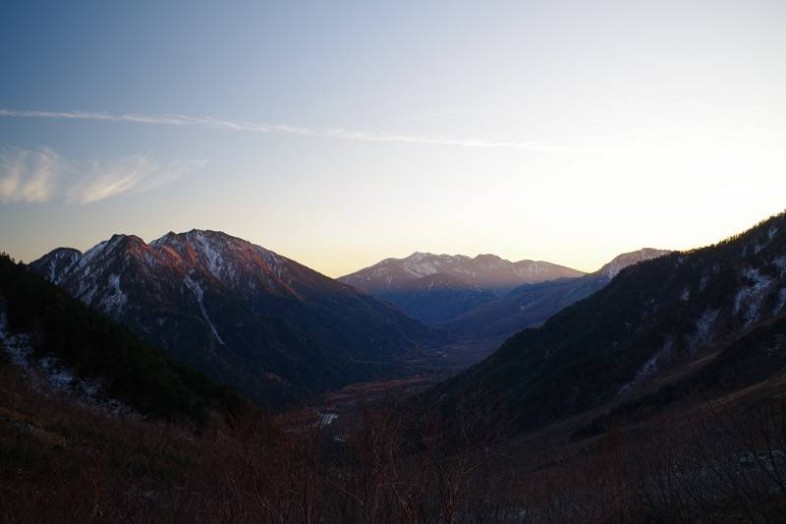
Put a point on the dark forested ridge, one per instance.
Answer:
(132, 371)
(654, 317)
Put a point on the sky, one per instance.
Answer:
(342, 133)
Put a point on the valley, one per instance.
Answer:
(388, 262)
(576, 417)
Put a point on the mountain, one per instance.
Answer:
(247, 317)
(530, 305)
(713, 317)
(84, 354)
(437, 288)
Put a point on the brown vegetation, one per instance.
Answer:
(720, 462)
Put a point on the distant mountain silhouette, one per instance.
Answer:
(438, 288)
(530, 305)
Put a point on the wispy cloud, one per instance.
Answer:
(44, 175)
(27, 176)
(281, 129)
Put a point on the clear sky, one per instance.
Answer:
(340, 133)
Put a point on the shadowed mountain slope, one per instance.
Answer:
(41, 325)
(651, 319)
(262, 323)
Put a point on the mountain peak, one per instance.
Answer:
(237, 311)
(620, 262)
(436, 288)
(195, 234)
(489, 256)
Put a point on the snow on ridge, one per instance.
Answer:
(749, 299)
(54, 262)
(59, 377)
(91, 254)
(276, 263)
(199, 293)
(215, 261)
(86, 291)
(421, 268)
(780, 263)
(115, 300)
(703, 330)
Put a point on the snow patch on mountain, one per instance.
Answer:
(650, 367)
(91, 254)
(57, 376)
(276, 264)
(199, 295)
(703, 330)
(780, 264)
(115, 299)
(215, 263)
(612, 269)
(749, 299)
(424, 264)
(86, 290)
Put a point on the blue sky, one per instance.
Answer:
(340, 133)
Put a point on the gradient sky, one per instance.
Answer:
(340, 133)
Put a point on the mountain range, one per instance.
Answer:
(656, 398)
(272, 328)
(529, 305)
(438, 288)
(276, 330)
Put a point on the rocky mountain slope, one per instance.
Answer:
(242, 314)
(438, 288)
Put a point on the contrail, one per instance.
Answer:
(281, 129)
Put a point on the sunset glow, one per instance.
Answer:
(339, 135)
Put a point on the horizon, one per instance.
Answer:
(344, 135)
(403, 257)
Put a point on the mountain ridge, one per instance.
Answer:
(529, 305)
(437, 288)
(651, 318)
(243, 314)
(484, 270)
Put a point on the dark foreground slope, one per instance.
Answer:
(652, 319)
(59, 329)
(259, 322)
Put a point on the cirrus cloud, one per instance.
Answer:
(43, 175)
